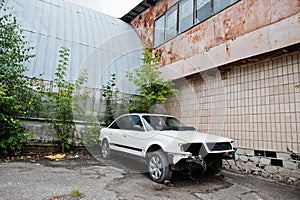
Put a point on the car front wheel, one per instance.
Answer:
(215, 167)
(105, 150)
(158, 166)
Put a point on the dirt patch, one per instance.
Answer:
(71, 160)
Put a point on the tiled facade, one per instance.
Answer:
(236, 73)
(223, 88)
(256, 104)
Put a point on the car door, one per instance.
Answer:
(133, 135)
(115, 133)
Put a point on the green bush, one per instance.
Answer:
(152, 88)
(63, 101)
(14, 86)
(91, 131)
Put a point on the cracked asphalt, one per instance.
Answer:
(123, 178)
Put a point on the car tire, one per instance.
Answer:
(158, 166)
(105, 150)
(215, 167)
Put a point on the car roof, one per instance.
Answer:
(147, 114)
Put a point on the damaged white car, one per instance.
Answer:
(166, 144)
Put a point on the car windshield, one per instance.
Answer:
(164, 123)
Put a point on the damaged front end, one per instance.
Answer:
(199, 156)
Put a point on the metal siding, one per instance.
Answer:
(96, 41)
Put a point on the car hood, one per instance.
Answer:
(194, 137)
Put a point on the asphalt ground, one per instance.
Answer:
(36, 177)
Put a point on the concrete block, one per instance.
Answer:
(283, 156)
(265, 161)
(272, 169)
(284, 171)
(240, 151)
(244, 158)
(254, 159)
(295, 173)
(290, 165)
(249, 152)
(237, 157)
(235, 168)
(251, 166)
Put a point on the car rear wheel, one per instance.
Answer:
(105, 150)
(158, 166)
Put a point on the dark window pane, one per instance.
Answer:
(171, 23)
(123, 123)
(159, 31)
(222, 4)
(203, 10)
(115, 126)
(185, 14)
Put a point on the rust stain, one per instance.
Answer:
(240, 19)
(260, 36)
(196, 38)
(227, 50)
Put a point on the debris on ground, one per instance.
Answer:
(56, 156)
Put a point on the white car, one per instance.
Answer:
(166, 144)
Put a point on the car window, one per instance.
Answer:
(122, 123)
(115, 125)
(171, 121)
(128, 122)
(164, 123)
(147, 125)
(137, 123)
(156, 122)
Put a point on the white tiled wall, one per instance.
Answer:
(257, 104)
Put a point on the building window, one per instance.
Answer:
(186, 8)
(220, 5)
(184, 15)
(171, 23)
(159, 31)
(203, 10)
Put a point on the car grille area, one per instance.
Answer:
(195, 148)
(219, 146)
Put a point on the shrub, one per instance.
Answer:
(14, 87)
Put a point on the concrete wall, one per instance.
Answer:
(246, 29)
(44, 133)
(279, 166)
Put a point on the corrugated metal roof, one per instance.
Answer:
(100, 43)
(141, 7)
